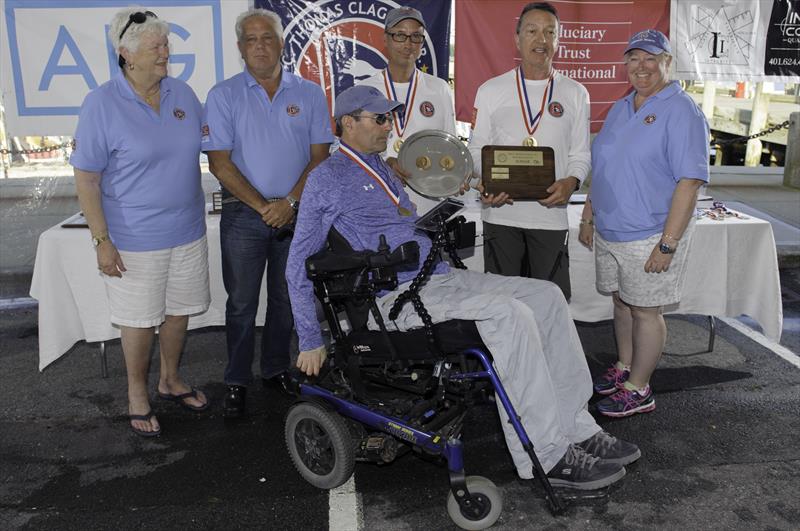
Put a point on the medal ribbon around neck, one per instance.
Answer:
(532, 122)
(359, 160)
(401, 118)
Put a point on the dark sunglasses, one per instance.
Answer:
(139, 18)
(380, 119)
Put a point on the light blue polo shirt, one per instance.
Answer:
(269, 141)
(638, 159)
(149, 163)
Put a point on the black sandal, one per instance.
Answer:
(181, 399)
(146, 417)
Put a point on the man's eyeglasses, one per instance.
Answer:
(416, 38)
(380, 119)
(139, 17)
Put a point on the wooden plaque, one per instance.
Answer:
(524, 173)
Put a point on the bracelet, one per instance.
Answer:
(670, 237)
(587, 221)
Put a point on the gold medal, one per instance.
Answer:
(530, 142)
(403, 211)
(397, 145)
(423, 162)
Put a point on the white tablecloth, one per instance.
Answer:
(72, 296)
(732, 270)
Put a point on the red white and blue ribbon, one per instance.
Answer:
(359, 160)
(401, 118)
(532, 122)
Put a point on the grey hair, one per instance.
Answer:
(271, 16)
(135, 31)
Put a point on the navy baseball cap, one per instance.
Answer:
(363, 97)
(650, 40)
(399, 14)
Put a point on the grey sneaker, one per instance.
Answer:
(580, 470)
(610, 449)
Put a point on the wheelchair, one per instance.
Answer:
(384, 393)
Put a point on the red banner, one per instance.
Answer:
(592, 36)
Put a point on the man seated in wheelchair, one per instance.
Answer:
(524, 323)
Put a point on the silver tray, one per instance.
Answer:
(438, 161)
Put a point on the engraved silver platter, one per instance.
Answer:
(438, 161)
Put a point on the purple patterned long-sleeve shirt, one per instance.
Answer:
(340, 194)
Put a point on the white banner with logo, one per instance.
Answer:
(736, 40)
(55, 51)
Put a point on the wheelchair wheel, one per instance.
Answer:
(320, 445)
(490, 505)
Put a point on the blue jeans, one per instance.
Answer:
(247, 245)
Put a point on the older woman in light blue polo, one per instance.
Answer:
(648, 162)
(137, 173)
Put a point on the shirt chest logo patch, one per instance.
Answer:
(292, 109)
(649, 119)
(556, 109)
(427, 109)
(368, 187)
(179, 113)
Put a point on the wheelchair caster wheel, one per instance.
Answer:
(320, 445)
(489, 505)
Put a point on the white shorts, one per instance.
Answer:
(170, 281)
(620, 267)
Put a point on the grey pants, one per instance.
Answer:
(537, 353)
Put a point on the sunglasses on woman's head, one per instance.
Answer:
(139, 18)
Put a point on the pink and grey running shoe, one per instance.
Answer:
(625, 402)
(611, 381)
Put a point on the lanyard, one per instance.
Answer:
(401, 119)
(359, 160)
(532, 122)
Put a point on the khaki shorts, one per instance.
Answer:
(620, 267)
(170, 281)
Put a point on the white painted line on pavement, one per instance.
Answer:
(777, 348)
(344, 513)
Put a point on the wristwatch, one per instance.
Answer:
(294, 203)
(666, 249)
(97, 240)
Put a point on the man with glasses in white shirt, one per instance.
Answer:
(427, 98)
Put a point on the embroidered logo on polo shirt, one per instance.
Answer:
(427, 109)
(180, 114)
(650, 118)
(556, 109)
(292, 109)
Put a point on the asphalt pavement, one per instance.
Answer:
(719, 452)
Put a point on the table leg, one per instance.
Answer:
(103, 360)
(712, 333)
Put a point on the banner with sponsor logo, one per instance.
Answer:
(592, 36)
(742, 40)
(337, 43)
(53, 52)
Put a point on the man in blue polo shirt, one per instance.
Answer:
(264, 130)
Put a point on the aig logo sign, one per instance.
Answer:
(59, 49)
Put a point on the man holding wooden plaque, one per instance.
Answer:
(530, 144)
